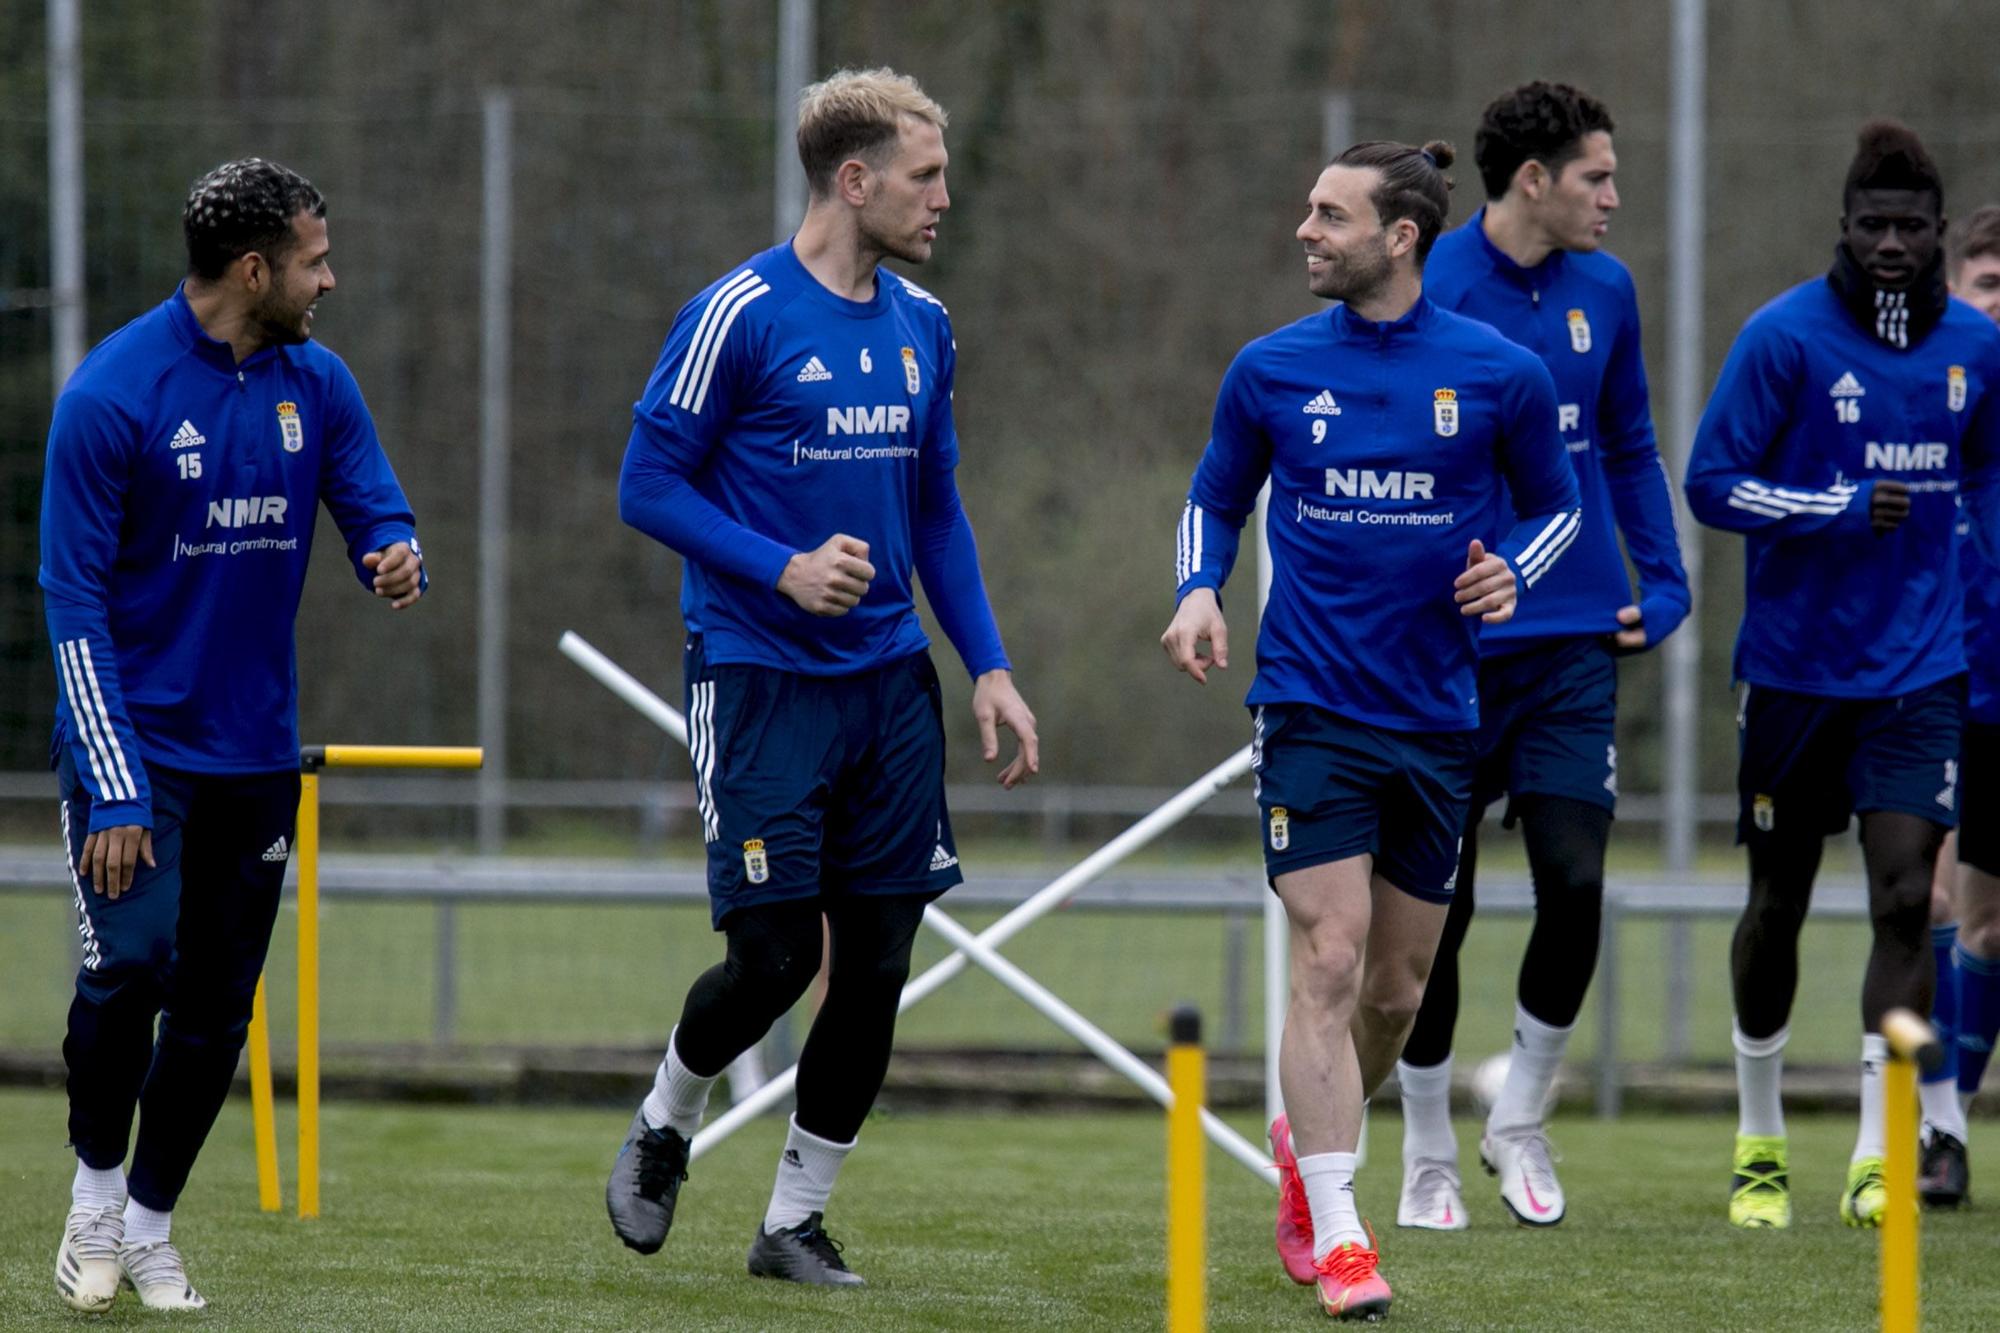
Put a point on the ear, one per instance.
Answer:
(850, 182)
(1532, 179)
(1403, 234)
(254, 272)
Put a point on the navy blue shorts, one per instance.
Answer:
(1330, 788)
(819, 784)
(1548, 720)
(1808, 762)
(1979, 797)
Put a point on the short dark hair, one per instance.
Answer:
(1539, 122)
(857, 113)
(244, 206)
(1413, 184)
(1888, 155)
(1977, 235)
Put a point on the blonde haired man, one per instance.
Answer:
(795, 446)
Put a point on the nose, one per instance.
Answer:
(1609, 203)
(1305, 228)
(326, 280)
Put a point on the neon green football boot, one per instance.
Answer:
(1867, 1197)
(1760, 1184)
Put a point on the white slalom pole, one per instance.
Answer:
(623, 684)
(1101, 1045)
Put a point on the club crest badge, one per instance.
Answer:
(291, 433)
(756, 865)
(1954, 388)
(1281, 828)
(1763, 813)
(1444, 409)
(911, 379)
(1579, 332)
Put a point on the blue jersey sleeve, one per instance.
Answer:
(1540, 480)
(704, 372)
(946, 554)
(1980, 459)
(83, 505)
(356, 483)
(1748, 411)
(1640, 496)
(1233, 468)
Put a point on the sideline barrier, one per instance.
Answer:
(263, 1117)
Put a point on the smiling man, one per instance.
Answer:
(1530, 264)
(795, 446)
(1400, 441)
(1854, 415)
(188, 456)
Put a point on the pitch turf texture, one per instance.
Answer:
(493, 1219)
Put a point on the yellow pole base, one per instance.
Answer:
(1187, 1206)
(263, 1117)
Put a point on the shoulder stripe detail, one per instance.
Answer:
(920, 293)
(1541, 554)
(107, 756)
(691, 385)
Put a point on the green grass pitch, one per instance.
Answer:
(493, 1219)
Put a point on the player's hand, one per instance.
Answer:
(1632, 638)
(1198, 620)
(399, 574)
(113, 855)
(1888, 505)
(995, 704)
(830, 581)
(1486, 588)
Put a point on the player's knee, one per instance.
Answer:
(1901, 911)
(1327, 971)
(1392, 1003)
(1773, 916)
(773, 953)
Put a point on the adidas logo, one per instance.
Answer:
(815, 370)
(942, 859)
(187, 437)
(1323, 406)
(1847, 386)
(792, 1159)
(278, 850)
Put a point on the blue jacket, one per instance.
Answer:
(177, 518)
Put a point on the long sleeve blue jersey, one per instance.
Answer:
(1389, 448)
(1810, 412)
(177, 519)
(780, 414)
(1580, 315)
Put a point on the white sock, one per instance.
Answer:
(679, 1097)
(1427, 1112)
(805, 1178)
(1941, 1108)
(1329, 1182)
(1874, 1058)
(1760, 1066)
(143, 1226)
(1531, 1072)
(97, 1189)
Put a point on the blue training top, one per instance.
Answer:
(1810, 411)
(177, 519)
(1579, 313)
(780, 414)
(1389, 448)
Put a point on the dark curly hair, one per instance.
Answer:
(1888, 155)
(1540, 122)
(244, 206)
(1413, 184)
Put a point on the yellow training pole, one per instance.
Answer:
(308, 850)
(399, 756)
(262, 1117)
(1910, 1040)
(1187, 1241)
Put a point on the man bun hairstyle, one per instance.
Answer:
(1536, 122)
(1977, 235)
(857, 113)
(1888, 155)
(244, 206)
(1412, 185)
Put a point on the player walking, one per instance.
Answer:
(1392, 432)
(1529, 264)
(188, 456)
(1848, 415)
(795, 445)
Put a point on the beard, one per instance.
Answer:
(1355, 274)
(283, 321)
(908, 246)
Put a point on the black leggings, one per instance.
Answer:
(1566, 841)
(1900, 851)
(774, 954)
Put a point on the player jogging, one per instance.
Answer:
(1849, 414)
(1529, 264)
(187, 458)
(1393, 433)
(795, 445)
